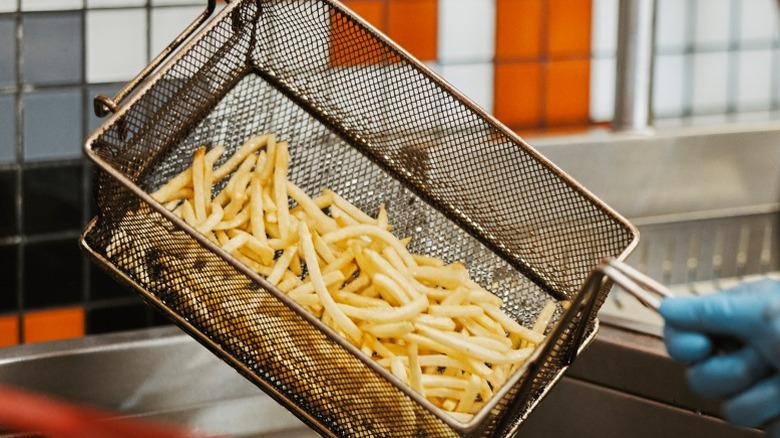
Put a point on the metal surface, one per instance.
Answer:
(634, 65)
(706, 201)
(140, 374)
(674, 171)
(375, 125)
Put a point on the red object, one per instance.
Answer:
(23, 411)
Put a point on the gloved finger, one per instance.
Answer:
(756, 406)
(735, 314)
(685, 346)
(773, 429)
(724, 375)
(768, 338)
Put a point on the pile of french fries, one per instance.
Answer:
(427, 322)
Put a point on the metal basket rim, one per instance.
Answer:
(165, 68)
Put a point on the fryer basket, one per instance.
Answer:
(370, 122)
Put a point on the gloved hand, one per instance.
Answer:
(747, 378)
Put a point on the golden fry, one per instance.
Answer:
(427, 322)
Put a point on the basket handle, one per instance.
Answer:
(645, 289)
(104, 105)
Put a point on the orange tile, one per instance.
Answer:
(518, 29)
(413, 25)
(569, 28)
(567, 92)
(343, 34)
(372, 11)
(52, 325)
(9, 330)
(516, 93)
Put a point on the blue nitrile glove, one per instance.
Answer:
(746, 378)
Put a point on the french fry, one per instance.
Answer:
(238, 157)
(324, 223)
(280, 188)
(308, 288)
(282, 264)
(354, 212)
(214, 218)
(544, 318)
(199, 195)
(330, 305)
(425, 321)
(390, 330)
(267, 170)
(256, 214)
(415, 372)
(403, 313)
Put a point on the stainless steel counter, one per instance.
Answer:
(623, 385)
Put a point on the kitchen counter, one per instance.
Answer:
(623, 385)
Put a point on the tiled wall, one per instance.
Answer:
(535, 64)
(55, 55)
(716, 60)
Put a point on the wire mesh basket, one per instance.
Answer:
(365, 119)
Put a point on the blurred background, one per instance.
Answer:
(540, 66)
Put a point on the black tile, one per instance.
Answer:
(158, 318)
(7, 203)
(103, 286)
(112, 319)
(52, 273)
(9, 263)
(52, 199)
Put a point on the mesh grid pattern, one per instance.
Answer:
(376, 129)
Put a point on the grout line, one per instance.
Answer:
(40, 238)
(108, 303)
(148, 9)
(109, 8)
(20, 165)
(86, 286)
(543, 61)
(733, 57)
(48, 164)
(691, 49)
(774, 70)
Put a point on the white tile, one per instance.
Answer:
(671, 24)
(7, 5)
(433, 65)
(467, 30)
(710, 82)
(668, 85)
(115, 52)
(604, 37)
(473, 80)
(758, 20)
(115, 3)
(51, 5)
(168, 23)
(712, 22)
(602, 89)
(754, 83)
(178, 2)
